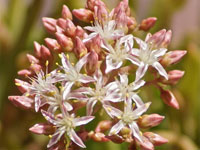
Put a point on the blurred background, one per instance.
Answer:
(20, 25)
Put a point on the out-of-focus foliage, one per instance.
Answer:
(20, 25)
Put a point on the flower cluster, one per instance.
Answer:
(107, 55)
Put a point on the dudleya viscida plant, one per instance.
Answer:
(107, 54)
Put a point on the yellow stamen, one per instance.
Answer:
(17, 84)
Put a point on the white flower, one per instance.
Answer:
(128, 91)
(72, 73)
(66, 124)
(127, 118)
(121, 52)
(101, 92)
(107, 31)
(148, 57)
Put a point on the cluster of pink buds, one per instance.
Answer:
(92, 73)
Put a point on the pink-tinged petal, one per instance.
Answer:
(49, 117)
(67, 89)
(138, 84)
(90, 37)
(113, 98)
(81, 62)
(90, 105)
(86, 79)
(155, 139)
(142, 109)
(128, 41)
(21, 101)
(134, 60)
(89, 28)
(112, 112)
(110, 87)
(42, 128)
(83, 120)
(137, 100)
(52, 108)
(148, 36)
(141, 71)
(67, 106)
(37, 102)
(110, 65)
(74, 137)
(83, 90)
(78, 96)
(143, 45)
(123, 79)
(135, 52)
(65, 62)
(55, 138)
(160, 69)
(116, 128)
(159, 52)
(135, 131)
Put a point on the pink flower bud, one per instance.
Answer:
(66, 13)
(83, 14)
(115, 138)
(22, 85)
(80, 50)
(167, 39)
(62, 23)
(157, 38)
(80, 32)
(92, 3)
(173, 77)
(147, 24)
(25, 73)
(65, 42)
(172, 57)
(21, 101)
(49, 24)
(35, 68)
(70, 28)
(123, 5)
(45, 53)
(103, 126)
(53, 45)
(169, 98)
(37, 48)
(121, 19)
(100, 13)
(95, 44)
(42, 128)
(148, 121)
(92, 63)
(146, 144)
(32, 59)
(98, 137)
(155, 139)
(131, 23)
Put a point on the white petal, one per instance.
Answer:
(67, 89)
(67, 106)
(141, 71)
(89, 28)
(114, 97)
(91, 36)
(37, 102)
(143, 45)
(138, 84)
(137, 100)
(81, 62)
(74, 137)
(160, 69)
(116, 128)
(83, 120)
(123, 79)
(159, 52)
(135, 52)
(49, 117)
(65, 62)
(112, 112)
(142, 109)
(90, 105)
(55, 138)
(134, 60)
(86, 79)
(136, 132)
(111, 66)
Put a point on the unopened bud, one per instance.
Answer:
(131, 23)
(169, 98)
(80, 50)
(148, 121)
(32, 59)
(173, 77)
(49, 24)
(42, 128)
(53, 45)
(148, 23)
(146, 144)
(21, 101)
(103, 126)
(95, 44)
(155, 139)
(92, 3)
(65, 42)
(123, 5)
(116, 139)
(98, 137)
(37, 48)
(100, 13)
(157, 38)
(172, 57)
(66, 13)
(83, 14)
(22, 85)
(80, 32)
(25, 73)
(61, 23)
(92, 63)
(45, 53)
(35, 68)
(70, 28)
(167, 39)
